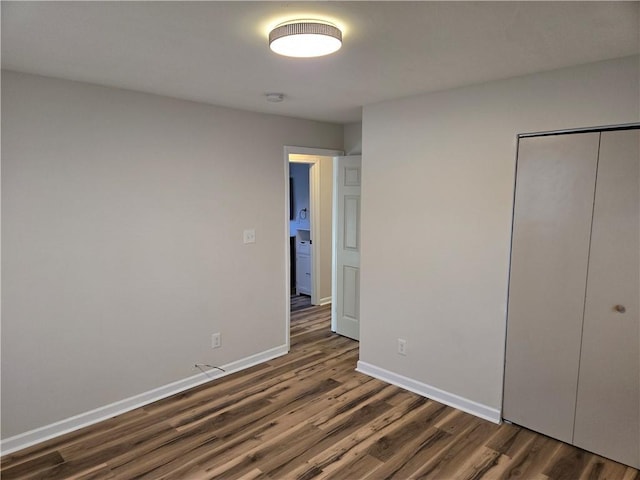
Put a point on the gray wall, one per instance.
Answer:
(437, 189)
(326, 228)
(353, 139)
(122, 220)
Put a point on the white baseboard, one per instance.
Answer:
(76, 422)
(324, 301)
(453, 400)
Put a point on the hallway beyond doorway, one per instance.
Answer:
(300, 302)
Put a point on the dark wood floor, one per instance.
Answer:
(307, 415)
(299, 302)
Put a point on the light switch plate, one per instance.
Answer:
(249, 236)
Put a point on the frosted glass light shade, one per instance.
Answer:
(305, 39)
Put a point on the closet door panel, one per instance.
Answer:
(552, 222)
(608, 405)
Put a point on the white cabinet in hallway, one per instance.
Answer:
(303, 262)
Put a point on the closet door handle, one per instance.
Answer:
(620, 308)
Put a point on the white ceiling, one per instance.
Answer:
(216, 52)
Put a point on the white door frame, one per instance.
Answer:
(314, 207)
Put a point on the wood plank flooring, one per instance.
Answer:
(307, 415)
(298, 302)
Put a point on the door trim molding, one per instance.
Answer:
(608, 128)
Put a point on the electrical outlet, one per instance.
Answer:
(249, 236)
(402, 346)
(216, 340)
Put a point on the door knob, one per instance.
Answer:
(620, 308)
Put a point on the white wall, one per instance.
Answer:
(122, 220)
(438, 176)
(326, 228)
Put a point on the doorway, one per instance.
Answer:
(301, 256)
(309, 249)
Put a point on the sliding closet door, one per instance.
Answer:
(552, 223)
(608, 405)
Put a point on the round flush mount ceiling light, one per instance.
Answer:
(305, 38)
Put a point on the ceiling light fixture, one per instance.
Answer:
(305, 38)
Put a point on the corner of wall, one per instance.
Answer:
(353, 139)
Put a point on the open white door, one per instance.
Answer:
(345, 313)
